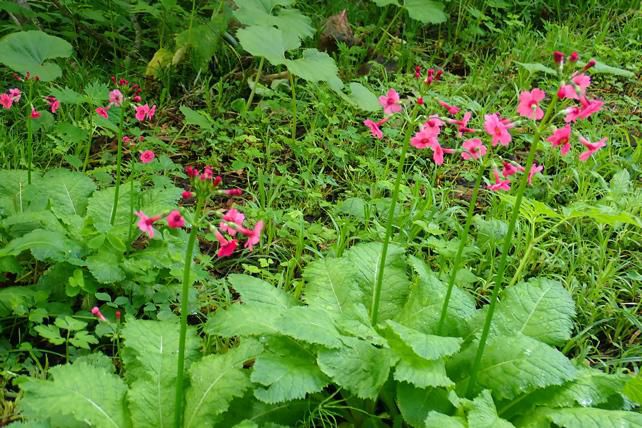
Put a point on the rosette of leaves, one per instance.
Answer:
(275, 31)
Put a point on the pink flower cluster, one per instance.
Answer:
(8, 98)
(127, 90)
(146, 224)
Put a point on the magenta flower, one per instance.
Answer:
(226, 248)
(580, 83)
(147, 156)
(561, 138)
(433, 125)
(424, 138)
(187, 194)
(231, 216)
(497, 129)
(233, 192)
(141, 112)
(390, 102)
(6, 101)
(452, 110)
(35, 114)
(499, 183)
(253, 236)
(511, 169)
(54, 104)
(116, 97)
(95, 311)
(375, 130)
(462, 125)
(102, 111)
(15, 94)
(438, 153)
(534, 170)
(529, 104)
(589, 107)
(473, 149)
(175, 220)
(591, 147)
(145, 224)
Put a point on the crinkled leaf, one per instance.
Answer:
(100, 206)
(359, 367)
(540, 308)
(105, 267)
(244, 320)
(311, 325)
(396, 285)
(44, 245)
(427, 346)
(80, 391)
(583, 417)
(426, 11)
(255, 290)
(29, 51)
(331, 284)
(287, 371)
(415, 403)
(215, 381)
(150, 358)
(483, 413)
(633, 389)
(436, 419)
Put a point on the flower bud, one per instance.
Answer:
(573, 57)
(558, 57)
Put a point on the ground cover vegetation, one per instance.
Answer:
(269, 213)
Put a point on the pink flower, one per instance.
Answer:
(175, 220)
(473, 149)
(116, 97)
(417, 71)
(558, 57)
(35, 114)
(374, 128)
(433, 125)
(451, 109)
(420, 101)
(534, 170)
(231, 216)
(253, 236)
(226, 247)
(430, 76)
(233, 192)
(591, 147)
(95, 311)
(570, 91)
(151, 112)
(6, 101)
(462, 125)
(137, 98)
(511, 169)
(15, 94)
(438, 153)
(424, 138)
(141, 112)
(54, 104)
(186, 194)
(582, 81)
(499, 183)
(147, 156)
(191, 171)
(208, 174)
(101, 111)
(561, 138)
(390, 102)
(529, 104)
(589, 107)
(497, 129)
(145, 223)
(573, 57)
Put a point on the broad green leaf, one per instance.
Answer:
(382, 3)
(483, 413)
(311, 325)
(18, 300)
(396, 285)
(150, 360)
(13, 185)
(105, 267)
(51, 333)
(540, 308)
(29, 51)
(255, 290)
(100, 206)
(244, 320)
(67, 191)
(358, 367)
(536, 67)
(67, 95)
(426, 11)
(215, 381)
(364, 99)
(263, 41)
(423, 308)
(516, 365)
(201, 42)
(602, 214)
(44, 245)
(287, 371)
(331, 285)
(582, 417)
(633, 389)
(80, 391)
(600, 67)
(315, 66)
(427, 346)
(436, 419)
(415, 403)
(356, 322)
(198, 118)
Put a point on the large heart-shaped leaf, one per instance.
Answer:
(29, 51)
(426, 11)
(263, 41)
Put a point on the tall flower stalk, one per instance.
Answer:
(119, 161)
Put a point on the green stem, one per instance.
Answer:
(293, 107)
(256, 82)
(386, 31)
(88, 152)
(508, 240)
(29, 134)
(463, 238)
(119, 159)
(180, 395)
(131, 208)
(376, 291)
